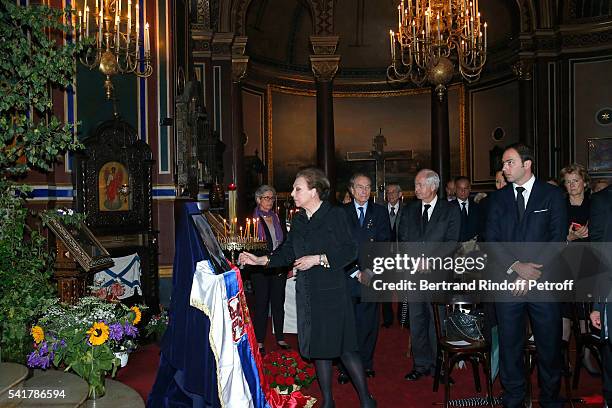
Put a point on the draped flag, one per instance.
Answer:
(232, 339)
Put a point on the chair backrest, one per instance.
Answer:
(581, 320)
(441, 311)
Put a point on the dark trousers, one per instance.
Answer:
(606, 362)
(387, 312)
(269, 288)
(366, 323)
(547, 328)
(423, 336)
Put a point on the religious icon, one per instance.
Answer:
(113, 182)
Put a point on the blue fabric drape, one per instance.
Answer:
(187, 373)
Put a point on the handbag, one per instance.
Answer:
(464, 326)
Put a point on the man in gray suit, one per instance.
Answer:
(427, 219)
(393, 195)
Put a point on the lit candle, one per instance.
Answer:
(391, 44)
(117, 21)
(119, 2)
(224, 227)
(102, 10)
(399, 16)
(485, 36)
(129, 26)
(403, 7)
(137, 18)
(86, 21)
(147, 43)
(100, 27)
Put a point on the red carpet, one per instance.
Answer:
(389, 387)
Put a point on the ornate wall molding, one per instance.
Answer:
(523, 69)
(222, 45)
(324, 67)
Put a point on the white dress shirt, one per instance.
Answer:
(528, 186)
(432, 203)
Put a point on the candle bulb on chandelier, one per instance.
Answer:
(399, 17)
(485, 36)
(129, 23)
(137, 18)
(80, 25)
(147, 43)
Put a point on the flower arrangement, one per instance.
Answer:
(110, 293)
(84, 338)
(158, 324)
(287, 372)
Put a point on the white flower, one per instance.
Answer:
(70, 212)
(61, 212)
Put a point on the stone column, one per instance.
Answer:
(325, 64)
(239, 67)
(440, 145)
(523, 69)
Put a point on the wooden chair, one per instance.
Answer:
(448, 355)
(586, 337)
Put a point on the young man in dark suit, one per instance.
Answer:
(369, 222)
(470, 211)
(428, 219)
(527, 210)
(600, 230)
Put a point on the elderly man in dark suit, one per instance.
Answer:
(427, 219)
(600, 230)
(527, 210)
(393, 195)
(369, 222)
(470, 211)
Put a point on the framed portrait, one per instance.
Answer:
(82, 244)
(599, 156)
(113, 178)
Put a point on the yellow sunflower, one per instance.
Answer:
(138, 314)
(98, 333)
(38, 334)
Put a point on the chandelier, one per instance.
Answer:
(428, 32)
(118, 45)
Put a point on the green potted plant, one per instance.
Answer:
(85, 338)
(31, 137)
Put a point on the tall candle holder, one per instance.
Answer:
(235, 237)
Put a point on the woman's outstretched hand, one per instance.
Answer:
(247, 258)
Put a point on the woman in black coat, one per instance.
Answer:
(320, 246)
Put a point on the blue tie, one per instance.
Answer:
(361, 216)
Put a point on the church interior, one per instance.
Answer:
(164, 103)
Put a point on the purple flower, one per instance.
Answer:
(35, 360)
(130, 330)
(115, 331)
(43, 348)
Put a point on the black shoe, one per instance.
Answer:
(369, 403)
(283, 345)
(450, 380)
(414, 375)
(370, 373)
(343, 378)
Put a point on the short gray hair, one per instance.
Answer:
(356, 176)
(431, 178)
(399, 188)
(261, 190)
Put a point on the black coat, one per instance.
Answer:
(600, 230)
(469, 227)
(326, 324)
(443, 226)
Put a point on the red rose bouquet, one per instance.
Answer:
(287, 372)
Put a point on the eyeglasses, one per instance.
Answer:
(267, 198)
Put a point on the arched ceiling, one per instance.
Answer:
(279, 32)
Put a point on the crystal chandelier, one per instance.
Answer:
(428, 31)
(118, 44)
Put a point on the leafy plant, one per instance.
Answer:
(84, 338)
(33, 62)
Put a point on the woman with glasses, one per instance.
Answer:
(269, 284)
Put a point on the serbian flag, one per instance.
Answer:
(232, 338)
